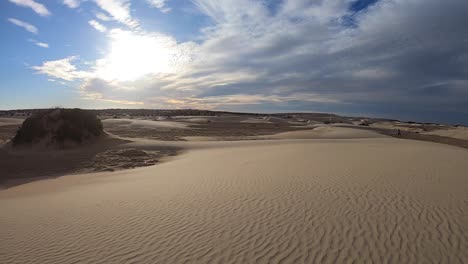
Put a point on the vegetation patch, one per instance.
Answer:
(59, 128)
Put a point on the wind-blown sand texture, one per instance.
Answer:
(379, 200)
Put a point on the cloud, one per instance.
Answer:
(98, 26)
(304, 47)
(35, 6)
(95, 88)
(72, 3)
(62, 69)
(212, 102)
(103, 17)
(39, 44)
(407, 58)
(147, 53)
(42, 44)
(31, 28)
(119, 10)
(160, 4)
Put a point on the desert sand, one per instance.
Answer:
(145, 123)
(10, 121)
(458, 132)
(324, 132)
(357, 198)
(8, 127)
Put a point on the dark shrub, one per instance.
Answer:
(57, 126)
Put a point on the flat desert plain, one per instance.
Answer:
(327, 195)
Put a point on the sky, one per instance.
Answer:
(403, 59)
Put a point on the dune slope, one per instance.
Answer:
(302, 201)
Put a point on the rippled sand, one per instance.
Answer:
(294, 201)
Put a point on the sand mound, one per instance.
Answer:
(458, 132)
(194, 119)
(256, 121)
(331, 201)
(59, 128)
(146, 123)
(327, 132)
(10, 121)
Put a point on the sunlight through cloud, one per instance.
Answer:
(133, 55)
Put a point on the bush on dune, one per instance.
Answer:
(59, 127)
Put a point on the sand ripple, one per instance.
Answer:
(372, 200)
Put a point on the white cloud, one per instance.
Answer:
(42, 44)
(37, 7)
(223, 11)
(39, 44)
(159, 4)
(25, 25)
(103, 17)
(72, 3)
(98, 26)
(210, 102)
(132, 55)
(122, 102)
(62, 69)
(318, 11)
(98, 89)
(119, 10)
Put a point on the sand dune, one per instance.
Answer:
(399, 125)
(256, 120)
(329, 132)
(458, 132)
(10, 121)
(374, 200)
(200, 138)
(146, 123)
(196, 120)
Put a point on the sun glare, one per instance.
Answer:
(132, 56)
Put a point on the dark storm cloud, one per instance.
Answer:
(395, 56)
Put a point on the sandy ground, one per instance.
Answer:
(329, 132)
(256, 120)
(23, 165)
(458, 132)
(189, 128)
(380, 200)
(312, 193)
(8, 127)
(10, 121)
(145, 123)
